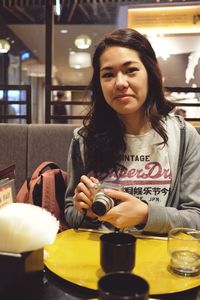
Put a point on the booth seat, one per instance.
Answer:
(27, 146)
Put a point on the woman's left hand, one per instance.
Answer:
(130, 212)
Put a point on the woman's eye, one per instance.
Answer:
(107, 75)
(132, 70)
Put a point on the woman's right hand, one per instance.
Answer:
(84, 193)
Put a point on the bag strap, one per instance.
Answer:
(60, 183)
(54, 185)
(39, 170)
(171, 200)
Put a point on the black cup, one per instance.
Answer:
(117, 252)
(122, 286)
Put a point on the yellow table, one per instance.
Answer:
(74, 256)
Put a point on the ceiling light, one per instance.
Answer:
(57, 8)
(63, 31)
(83, 42)
(4, 46)
(79, 60)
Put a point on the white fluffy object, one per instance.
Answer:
(25, 227)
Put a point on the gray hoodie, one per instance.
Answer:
(183, 205)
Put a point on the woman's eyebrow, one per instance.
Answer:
(108, 68)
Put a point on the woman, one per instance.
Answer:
(130, 138)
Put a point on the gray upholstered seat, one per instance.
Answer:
(13, 149)
(27, 146)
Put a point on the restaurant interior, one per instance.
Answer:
(46, 49)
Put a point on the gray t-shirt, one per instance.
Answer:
(147, 173)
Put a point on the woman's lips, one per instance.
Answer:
(123, 97)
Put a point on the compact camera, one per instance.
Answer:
(102, 203)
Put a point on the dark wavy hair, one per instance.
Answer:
(102, 130)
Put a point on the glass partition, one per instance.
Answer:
(15, 104)
(23, 63)
(187, 102)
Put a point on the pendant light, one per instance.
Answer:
(83, 41)
(4, 46)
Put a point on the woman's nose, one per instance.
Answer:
(121, 81)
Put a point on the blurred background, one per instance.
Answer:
(46, 49)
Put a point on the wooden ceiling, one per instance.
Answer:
(72, 11)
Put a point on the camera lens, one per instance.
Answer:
(102, 204)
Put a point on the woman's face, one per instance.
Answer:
(124, 81)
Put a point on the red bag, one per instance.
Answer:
(46, 188)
